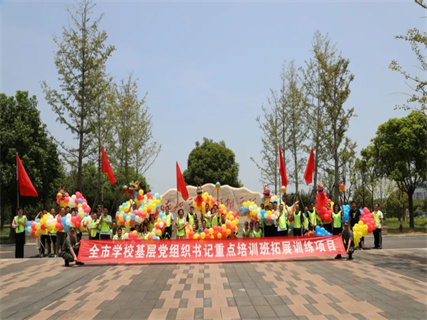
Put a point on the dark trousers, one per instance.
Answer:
(378, 238)
(96, 237)
(168, 233)
(19, 244)
(297, 231)
(328, 227)
(43, 240)
(283, 233)
(270, 231)
(105, 236)
(336, 231)
(60, 238)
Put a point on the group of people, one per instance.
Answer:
(288, 221)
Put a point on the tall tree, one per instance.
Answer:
(335, 78)
(294, 124)
(22, 131)
(271, 138)
(400, 153)
(418, 41)
(132, 147)
(316, 115)
(210, 162)
(80, 60)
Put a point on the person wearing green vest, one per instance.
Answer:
(145, 232)
(257, 233)
(251, 229)
(336, 219)
(19, 223)
(336, 223)
(51, 238)
(180, 225)
(60, 235)
(94, 230)
(191, 216)
(105, 223)
(119, 235)
(306, 220)
(379, 220)
(151, 223)
(282, 225)
(207, 216)
(312, 217)
(246, 230)
(215, 216)
(170, 224)
(297, 220)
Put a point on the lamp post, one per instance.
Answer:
(217, 187)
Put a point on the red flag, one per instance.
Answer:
(26, 187)
(283, 169)
(308, 175)
(180, 183)
(106, 168)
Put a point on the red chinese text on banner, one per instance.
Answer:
(190, 251)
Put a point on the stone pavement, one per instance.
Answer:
(378, 284)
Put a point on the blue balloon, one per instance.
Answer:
(242, 209)
(37, 220)
(158, 197)
(125, 216)
(29, 223)
(66, 228)
(80, 200)
(132, 216)
(152, 193)
(263, 212)
(63, 220)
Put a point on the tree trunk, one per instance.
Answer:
(411, 208)
(336, 177)
(2, 214)
(99, 196)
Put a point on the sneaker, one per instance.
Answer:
(338, 257)
(67, 263)
(79, 263)
(350, 258)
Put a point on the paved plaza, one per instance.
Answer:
(379, 284)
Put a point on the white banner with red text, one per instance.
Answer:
(205, 251)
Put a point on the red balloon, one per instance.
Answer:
(132, 222)
(59, 219)
(43, 227)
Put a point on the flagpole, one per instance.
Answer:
(17, 183)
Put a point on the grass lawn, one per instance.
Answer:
(393, 225)
(4, 235)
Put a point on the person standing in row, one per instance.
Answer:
(94, 230)
(297, 220)
(312, 217)
(19, 223)
(336, 222)
(180, 225)
(257, 233)
(207, 216)
(60, 235)
(354, 215)
(51, 238)
(170, 224)
(191, 216)
(379, 220)
(245, 232)
(105, 222)
(282, 225)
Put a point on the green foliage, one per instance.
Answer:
(22, 131)
(400, 153)
(81, 61)
(418, 41)
(363, 197)
(130, 144)
(210, 162)
(112, 194)
(396, 204)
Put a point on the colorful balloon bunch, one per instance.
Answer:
(359, 230)
(320, 231)
(321, 202)
(368, 218)
(250, 209)
(147, 204)
(201, 200)
(346, 216)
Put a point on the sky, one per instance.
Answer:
(208, 66)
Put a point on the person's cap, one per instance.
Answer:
(346, 223)
(72, 229)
